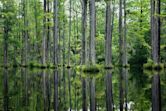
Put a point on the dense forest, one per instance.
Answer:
(81, 32)
(89, 55)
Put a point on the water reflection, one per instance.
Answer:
(55, 90)
(92, 95)
(109, 94)
(84, 95)
(156, 95)
(71, 90)
(69, 86)
(5, 90)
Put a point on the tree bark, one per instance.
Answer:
(44, 35)
(125, 35)
(55, 32)
(5, 42)
(108, 37)
(69, 48)
(155, 30)
(120, 34)
(84, 24)
(92, 54)
(36, 49)
(48, 34)
(25, 33)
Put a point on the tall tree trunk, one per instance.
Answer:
(63, 49)
(120, 34)
(55, 32)
(125, 35)
(84, 25)
(36, 27)
(48, 34)
(6, 29)
(92, 54)
(44, 35)
(113, 14)
(77, 34)
(108, 38)
(155, 30)
(25, 33)
(69, 47)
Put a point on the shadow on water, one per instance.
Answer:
(69, 90)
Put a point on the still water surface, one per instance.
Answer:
(68, 89)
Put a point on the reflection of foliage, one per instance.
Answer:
(140, 90)
(30, 82)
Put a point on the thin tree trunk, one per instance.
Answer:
(48, 34)
(113, 14)
(125, 35)
(55, 32)
(120, 34)
(155, 30)
(77, 34)
(84, 25)
(44, 35)
(36, 29)
(69, 48)
(25, 33)
(63, 49)
(5, 42)
(92, 55)
(108, 38)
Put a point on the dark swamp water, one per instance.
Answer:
(70, 90)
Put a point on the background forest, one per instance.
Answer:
(75, 32)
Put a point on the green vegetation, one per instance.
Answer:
(27, 38)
